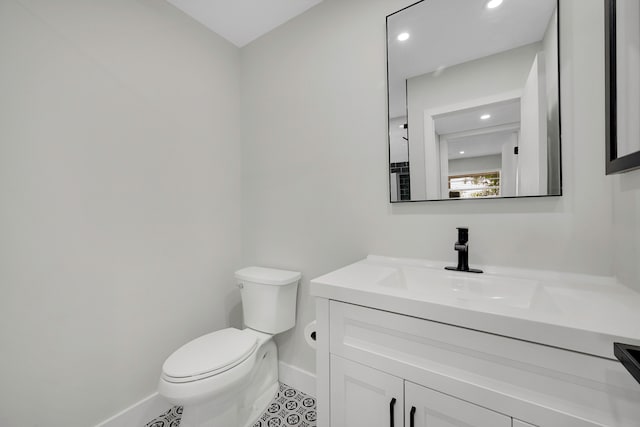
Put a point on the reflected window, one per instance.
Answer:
(469, 186)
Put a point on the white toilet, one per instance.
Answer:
(228, 377)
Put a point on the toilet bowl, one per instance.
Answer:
(228, 377)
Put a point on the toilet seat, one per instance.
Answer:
(209, 355)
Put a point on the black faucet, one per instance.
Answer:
(462, 246)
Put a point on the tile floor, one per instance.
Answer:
(289, 408)
(171, 418)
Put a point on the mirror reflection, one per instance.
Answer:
(474, 100)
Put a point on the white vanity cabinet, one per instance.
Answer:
(456, 376)
(429, 408)
(364, 396)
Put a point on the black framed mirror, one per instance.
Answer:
(622, 62)
(474, 100)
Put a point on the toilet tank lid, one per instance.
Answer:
(268, 276)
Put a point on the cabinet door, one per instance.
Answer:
(363, 396)
(426, 407)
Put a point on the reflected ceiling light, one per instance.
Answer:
(493, 4)
(485, 116)
(405, 36)
(462, 152)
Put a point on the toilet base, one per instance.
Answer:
(261, 403)
(243, 407)
(204, 415)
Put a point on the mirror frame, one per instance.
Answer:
(560, 167)
(631, 161)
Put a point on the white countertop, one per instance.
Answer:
(571, 311)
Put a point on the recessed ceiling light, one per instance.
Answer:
(485, 116)
(462, 152)
(493, 4)
(405, 36)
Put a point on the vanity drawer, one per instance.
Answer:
(543, 385)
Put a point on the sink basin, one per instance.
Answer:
(461, 286)
(574, 311)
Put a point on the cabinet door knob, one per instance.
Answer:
(412, 415)
(392, 404)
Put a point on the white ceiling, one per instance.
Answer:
(242, 21)
(449, 32)
(502, 113)
(479, 144)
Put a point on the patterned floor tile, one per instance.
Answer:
(289, 408)
(171, 418)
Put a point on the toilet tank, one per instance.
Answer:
(268, 298)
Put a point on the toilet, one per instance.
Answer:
(228, 377)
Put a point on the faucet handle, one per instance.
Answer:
(461, 247)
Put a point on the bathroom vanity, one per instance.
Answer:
(406, 343)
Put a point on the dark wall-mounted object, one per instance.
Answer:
(616, 161)
(629, 356)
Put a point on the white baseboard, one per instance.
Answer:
(140, 413)
(297, 378)
(155, 405)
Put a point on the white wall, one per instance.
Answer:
(316, 183)
(509, 163)
(532, 154)
(460, 83)
(626, 194)
(626, 197)
(119, 194)
(475, 164)
(550, 49)
(398, 149)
